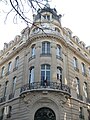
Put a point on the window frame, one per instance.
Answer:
(45, 74)
(75, 63)
(59, 73)
(85, 89)
(9, 66)
(31, 74)
(3, 71)
(14, 85)
(83, 68)
(16, 61)
(59, 51)
(46, 47)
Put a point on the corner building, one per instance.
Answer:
(45, 73)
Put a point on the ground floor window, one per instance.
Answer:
(45, 113)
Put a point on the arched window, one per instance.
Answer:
(77, 86)
(2, 72)
(88, 110)
(46, 17)
(33, 50)
(83, 68)
(89, 70)
(85, 89)
(59, 51)
(31, 75)
(45, 113)
(14, 85)
(16, 62)
(9, 67)
(59, 73)
(1, 114)
(81, 113)
(5, 88)
(45, 73)
(46, 47)
(75, 63)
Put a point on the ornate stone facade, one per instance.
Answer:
(45, 73)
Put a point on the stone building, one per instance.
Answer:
(45, 73)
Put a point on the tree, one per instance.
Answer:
(22, 7)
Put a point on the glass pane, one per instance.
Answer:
(48, 75)
(42, 66)
(45, 114)
(42, 75)
(48, 47)
(48, 67)
(43, 47)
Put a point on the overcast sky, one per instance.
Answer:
(75, 13)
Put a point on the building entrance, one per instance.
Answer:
(45, 113)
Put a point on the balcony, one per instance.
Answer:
(49, 86)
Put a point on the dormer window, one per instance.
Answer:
(56, 29)
(35, 30)
(47, 17)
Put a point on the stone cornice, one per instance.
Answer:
(78, 53)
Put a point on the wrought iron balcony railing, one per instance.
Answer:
(45, 86)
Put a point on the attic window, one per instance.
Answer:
(56, 29)
(78, 49)
(35, 30)
(85, 54)
(47, 17)
(21, 42)
(7, 53)
(71, 42)
(14, 48)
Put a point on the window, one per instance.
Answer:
(88, 110)
(16, 62)
(7, 111)
(59, 52)
(33, 50)
(14, 85)
(89, 71)
(57, 29)
(1, 113)
(47, 17)
(45, 74)
(81, 113)
(59, 73)
(75, 63)
(46, 48)
(31, 75)
(5, 89)
(9, 67)
(85, 89)
(44, 113)
(77, 86)
(2, 72)
(83, 68)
